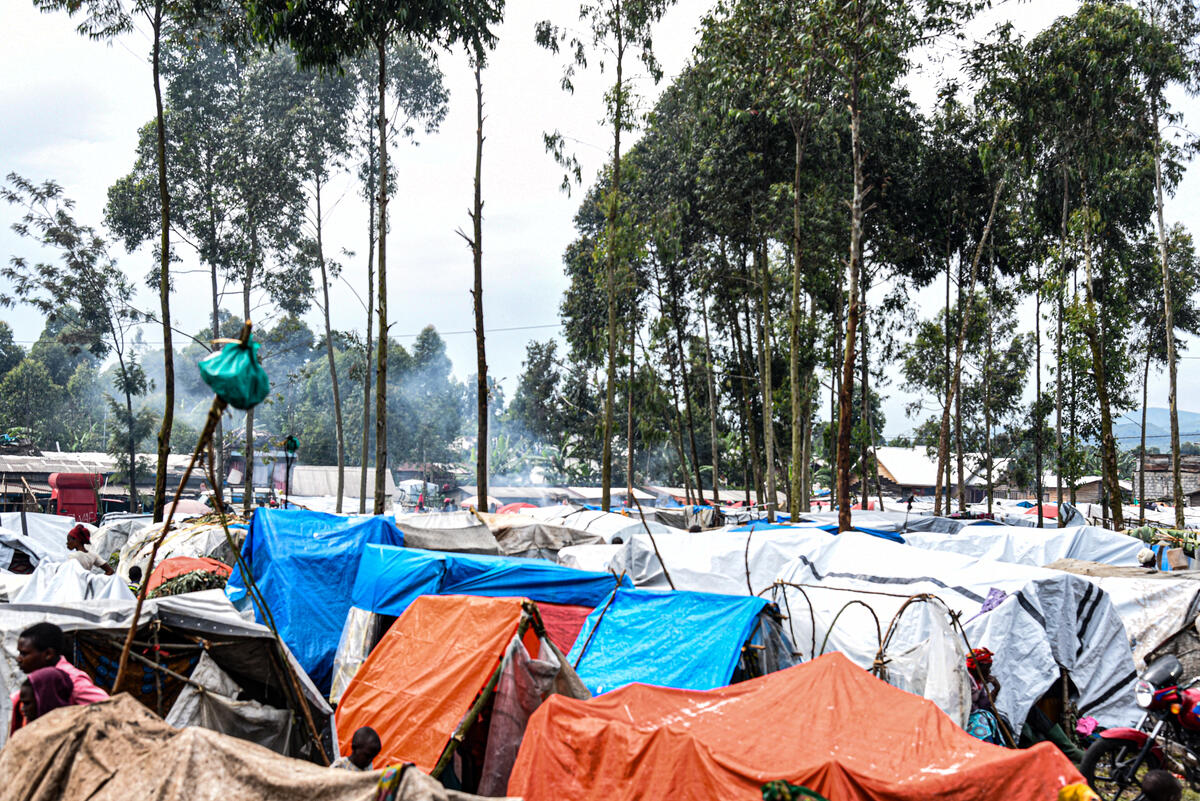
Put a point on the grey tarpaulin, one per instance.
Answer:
(217, 707)
(461, 532)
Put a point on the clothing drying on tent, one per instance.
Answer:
(1035, 621)
(419, 684)
(689, 640)
(390, 579)
(304, 564)
(827, 725)
(248, 691)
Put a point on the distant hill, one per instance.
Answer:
(1128, 427)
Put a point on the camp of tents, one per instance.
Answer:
(565, 651)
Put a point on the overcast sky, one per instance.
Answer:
(71, 108)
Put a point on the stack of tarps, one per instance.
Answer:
(390, 579)
(69, 582)
(462, 531)
(204, 537)
(119, 750)
(419, 687)
(1036, 547)
(845, 595)
(612, 527)
(532, 538)
(688, 640)
(304, 564)
(746, 563)
(826, 725)
(254, 688)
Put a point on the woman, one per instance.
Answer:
(45, 690)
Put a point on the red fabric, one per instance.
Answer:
(563, 623)
(870, 506)
(176, 566)
(827, 725)
(1048, 510)
(425, 673)
(513, 508)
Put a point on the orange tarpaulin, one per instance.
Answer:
(178, 565)
(827, 725)
(425, 673)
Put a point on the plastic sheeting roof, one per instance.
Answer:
(68, 582)
(688, 640)
(1035, 547)
(305, 564)
(390, 579)
(1046, 618)
(827, 725)
(608, 525)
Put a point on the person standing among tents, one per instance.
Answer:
(364, 747)
(984, 720)
(78, 539)
(40, 646)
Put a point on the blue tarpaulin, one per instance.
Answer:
(687, 640)
(305, 564)
(832, 528)
(389, 579)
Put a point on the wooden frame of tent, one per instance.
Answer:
(530, 618)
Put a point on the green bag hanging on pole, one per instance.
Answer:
(234, 373)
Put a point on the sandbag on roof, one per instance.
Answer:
(1041, 620)
(827, 725)
(305, 564)
(462, 532)
(689, 640)
(118, 750)
(1035, 547)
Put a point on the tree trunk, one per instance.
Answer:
(164, 277)
(798, 392)
(366, 422)
(481, 385)
(1142, 451)
(846, 393)
(611, 276)
(955, 370)
(381, 358)
(1037, 383)
(748, 425)
(764, 346)
(712, 405)
(864, 445)
(943, 444)
(629, 416)
(333, 379)
(1168, 324)
(248, 448)
(218, 432)
(1107, 443)
(987, 384)
(806, 415)
(1059, 292)
(686, 385)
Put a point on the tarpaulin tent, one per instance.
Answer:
(715, 561)
(69, 582)
(1036, 547)
(177, 566)
(827, 725)
(420, 684)
(198, 538)
(588, 557)
(305, 564)
(527, 536)
(188, 627)
(1036, 621)
(462, 532)
(119, 750)
(390, 579)
(611, 526)
(689, 640)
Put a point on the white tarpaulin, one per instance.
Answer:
(715, 561)
(1041, 619)
(46, 541)
(609, 525)
(67, 582)
(597, 558)
(1036, 547)
(1152, 609)
(184, 539)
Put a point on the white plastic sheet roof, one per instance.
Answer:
(1046, 619)
(68, 582)
(1035, 547)
(608, 525)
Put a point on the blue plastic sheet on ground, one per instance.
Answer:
(389, 579)
(305, 564)
(687, 640)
